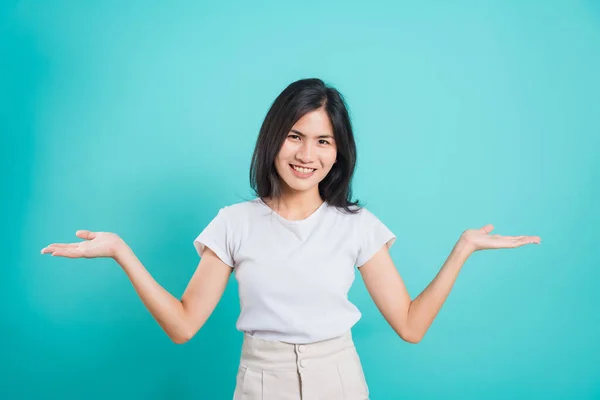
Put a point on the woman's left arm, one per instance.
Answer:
(412, 318)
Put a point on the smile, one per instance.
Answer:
(302, 172)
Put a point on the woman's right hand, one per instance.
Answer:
(97, 244)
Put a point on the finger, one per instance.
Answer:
(51, 248)
(513, 237)
(520, 239)
(487, 228)
(54, 247)
(528, 239)
(507, 242)
(525, 240)
(68, 253)
(86, 234)
(61, 245)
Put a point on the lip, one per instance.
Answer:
(301, 175)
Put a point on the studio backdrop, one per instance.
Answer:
(140, 118)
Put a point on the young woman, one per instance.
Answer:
(293, 250)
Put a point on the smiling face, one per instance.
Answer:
(308, 153)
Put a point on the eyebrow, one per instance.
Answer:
(319, 137)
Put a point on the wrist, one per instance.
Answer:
(464, 248)
(120, 251)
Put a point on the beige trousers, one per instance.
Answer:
(273, 370)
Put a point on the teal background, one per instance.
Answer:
(140, 118)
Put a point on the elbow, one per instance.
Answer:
(410, 337)
(182, 337)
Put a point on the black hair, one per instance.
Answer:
(299, 98)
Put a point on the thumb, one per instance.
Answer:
(487, 229)
(86, 234)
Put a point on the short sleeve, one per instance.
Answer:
(217, 236)
(373, 234)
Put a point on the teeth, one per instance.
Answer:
(303, 170)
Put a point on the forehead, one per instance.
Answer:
(314, 123)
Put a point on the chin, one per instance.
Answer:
(300, 187)
(296, 186)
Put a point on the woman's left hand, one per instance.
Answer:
(480, 239)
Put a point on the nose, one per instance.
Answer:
(305, 153)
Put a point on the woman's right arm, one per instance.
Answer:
(180, 319)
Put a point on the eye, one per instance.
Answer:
(323, 141)
(293, 136)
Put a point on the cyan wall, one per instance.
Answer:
(140, 118)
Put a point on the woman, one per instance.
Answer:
(293, 250)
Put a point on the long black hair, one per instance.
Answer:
(299, 98)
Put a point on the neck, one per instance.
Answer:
(296, 206)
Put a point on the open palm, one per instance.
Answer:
(97, 244)
(480, 239)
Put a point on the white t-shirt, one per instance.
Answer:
(294, 276)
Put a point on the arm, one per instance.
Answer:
(425, 307)
(409, 319)
(181, 320)
(412, 319)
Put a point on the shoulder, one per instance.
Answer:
(356, 213)
(241, 209)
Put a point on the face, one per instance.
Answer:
(308, 152)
